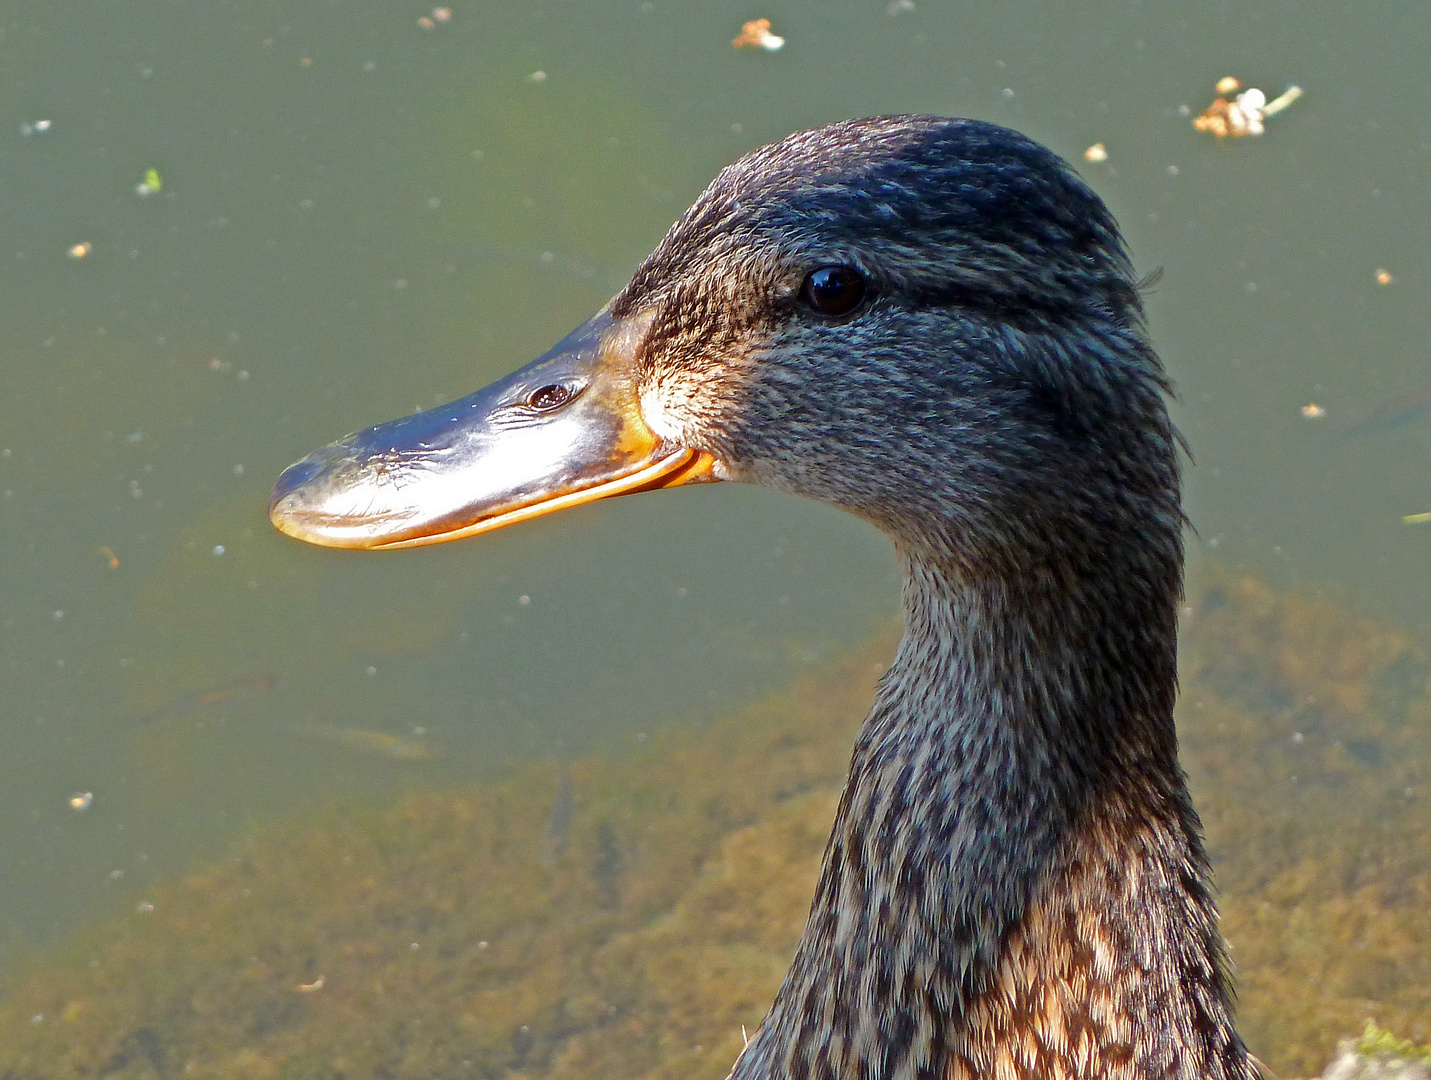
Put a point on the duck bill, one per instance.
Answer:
(564, 430)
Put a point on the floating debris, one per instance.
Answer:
(1383, 276)
(107, 553)
(537, 76)
(1282, 100)
(308, 988)
(1245, 113)
(80, 250)
(756, 35)
(1313, 411)
(39, 127)
(152, 184)
(79, 802)
(1095, 153)
(1417, 519)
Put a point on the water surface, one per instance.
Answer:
(360, 217)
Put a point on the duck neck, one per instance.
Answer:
(1015, 884)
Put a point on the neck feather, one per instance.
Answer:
(1015, 886)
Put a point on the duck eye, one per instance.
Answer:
(834, 290)
(546, 398)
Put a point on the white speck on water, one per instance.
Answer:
(218, 549)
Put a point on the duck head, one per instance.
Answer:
(931, 323)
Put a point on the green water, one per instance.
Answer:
(360, 216)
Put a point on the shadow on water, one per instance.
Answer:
(1400, 410)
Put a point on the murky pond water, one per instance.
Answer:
(359, 215)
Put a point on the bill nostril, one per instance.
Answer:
(293, 479)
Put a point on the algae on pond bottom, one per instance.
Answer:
(452, 937)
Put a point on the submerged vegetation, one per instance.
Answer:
(628, 919)
(1377, 1042)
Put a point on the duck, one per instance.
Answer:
(933, 324)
